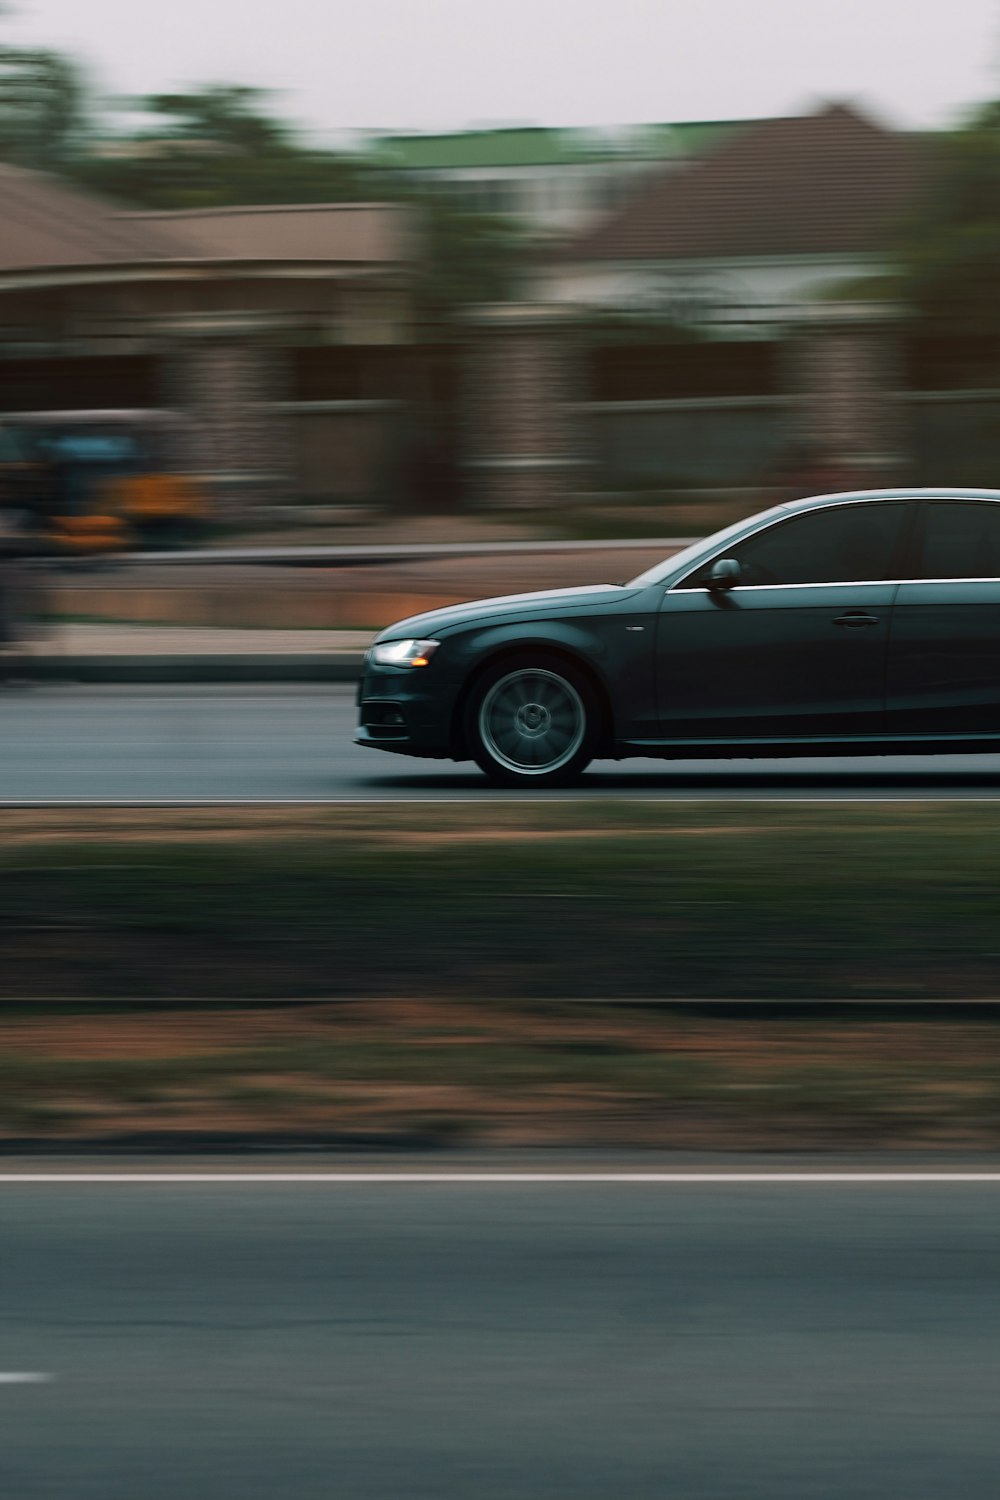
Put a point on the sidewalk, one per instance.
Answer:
(231, 619)
(280, 594)
(155, 653)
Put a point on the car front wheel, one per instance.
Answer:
(532, 722)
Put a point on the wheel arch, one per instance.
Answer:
(554, 650)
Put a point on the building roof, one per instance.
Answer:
(545, 146)
(827, 183)
(369, 233)
(47, 223)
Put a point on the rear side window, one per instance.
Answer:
(961, 539)
(849, 544)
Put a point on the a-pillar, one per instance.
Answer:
(523, 443)
(844, 379)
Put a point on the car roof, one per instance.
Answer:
(910, 492)
(679, 563)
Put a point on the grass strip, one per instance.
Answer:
(624, 899)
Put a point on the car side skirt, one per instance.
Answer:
(848, 744)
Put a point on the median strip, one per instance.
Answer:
(416, 934)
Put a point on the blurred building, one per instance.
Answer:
(273, 328)
(729, 318)
(549, 180)
(777, 213)
(732, 306)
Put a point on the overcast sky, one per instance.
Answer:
(442, 64)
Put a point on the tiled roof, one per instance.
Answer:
(831, 182)
(44, 222)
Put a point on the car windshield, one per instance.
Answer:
(688, 556)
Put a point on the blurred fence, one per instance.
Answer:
(687, 443)
(954, 437)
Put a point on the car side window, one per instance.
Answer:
(848, 544)
(960, 539)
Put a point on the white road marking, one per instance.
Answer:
(23, 1377)
(653, 1179)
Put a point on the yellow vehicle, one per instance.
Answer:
(94, 482)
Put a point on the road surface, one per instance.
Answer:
(275, 743)
(577, 1341)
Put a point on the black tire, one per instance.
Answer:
(532, 721)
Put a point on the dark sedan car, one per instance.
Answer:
(857, 623)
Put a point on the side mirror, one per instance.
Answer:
(725, 574)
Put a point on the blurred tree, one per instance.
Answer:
(219, 146)
(214, 147)
(950, 261)
(464, 258)
(220, 114)
(44, 108)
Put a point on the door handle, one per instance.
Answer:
(856, 617)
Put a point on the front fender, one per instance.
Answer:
(582, 638)
(616, 651)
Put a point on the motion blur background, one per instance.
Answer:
(316, 317)
(313, 317)
(719, 255)
(319, 314)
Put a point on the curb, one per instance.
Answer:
(317, 667)
(227, 1143)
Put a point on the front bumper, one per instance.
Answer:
(409, 711)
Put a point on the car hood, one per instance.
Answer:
(436, 620)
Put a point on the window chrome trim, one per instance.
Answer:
(993, 578)
(746, 588)
(849, 583)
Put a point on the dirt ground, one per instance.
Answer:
(454, 1072)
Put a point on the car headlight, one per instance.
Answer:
(404, 653)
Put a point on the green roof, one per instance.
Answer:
(547, 146)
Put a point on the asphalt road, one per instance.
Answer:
(499, 1340)
(274, 743)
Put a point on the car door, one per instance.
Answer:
(798, 648)
(944, 649)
